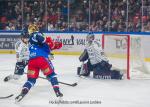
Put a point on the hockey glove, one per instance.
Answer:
(50, 42)
(57, 45)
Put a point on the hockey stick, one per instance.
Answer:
(7, 96)
(73, 84)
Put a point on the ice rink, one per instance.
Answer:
(88, 93)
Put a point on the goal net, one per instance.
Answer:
(125, 54)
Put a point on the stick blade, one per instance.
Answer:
(74, 84)
(7, 96)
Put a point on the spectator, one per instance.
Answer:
(10, 26)
(52, 15)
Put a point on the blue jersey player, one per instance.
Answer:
(38, 60)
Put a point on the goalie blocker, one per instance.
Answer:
(101, 70)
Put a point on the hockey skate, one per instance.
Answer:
(59, 96)
(58, 93)
(19, 98)
(21, 95)
(121, 76)
(9, 77)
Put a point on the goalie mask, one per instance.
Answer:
(90, 37)
(32, 28)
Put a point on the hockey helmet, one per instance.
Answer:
(24, 35)
(90, 37)
(32, 28)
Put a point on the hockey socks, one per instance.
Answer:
(26, 87)
(30, 82)
(53, 79)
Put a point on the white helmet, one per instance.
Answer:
(90, 37)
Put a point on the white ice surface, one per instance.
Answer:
(111, 93)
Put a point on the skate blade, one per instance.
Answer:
(18, 99)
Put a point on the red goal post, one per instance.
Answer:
(118, 37)
(126, 53)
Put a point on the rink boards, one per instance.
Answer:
(74, 42)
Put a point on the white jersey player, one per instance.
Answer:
(22, 56)
(22, 51)
(94, 50)
(97, 60)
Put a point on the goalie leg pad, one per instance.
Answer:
(102, 70)
(116, 75)
(105, 65)
(83, 70)
(78, 70)
(101, 73)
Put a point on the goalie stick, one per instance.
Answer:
(7, 96)
(73, 84)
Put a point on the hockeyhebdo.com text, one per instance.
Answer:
(75, 102)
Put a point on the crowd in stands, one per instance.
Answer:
(76, 15)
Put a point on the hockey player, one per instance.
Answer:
(22, 56)
(40, 48)
(96, 61)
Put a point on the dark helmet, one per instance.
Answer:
(24, 35)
